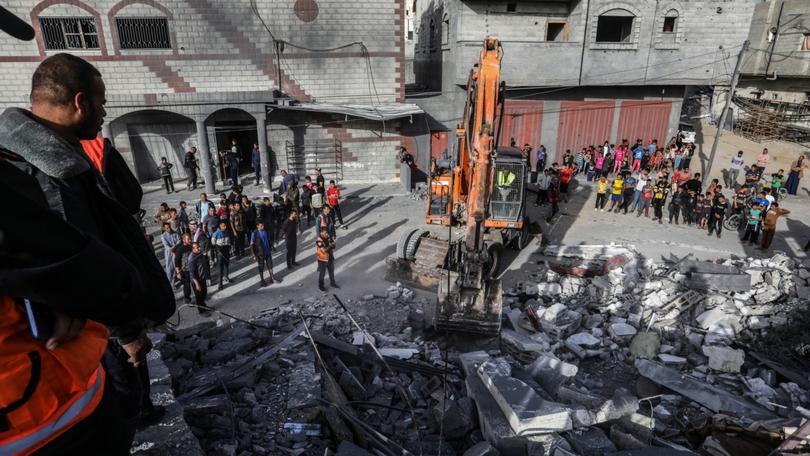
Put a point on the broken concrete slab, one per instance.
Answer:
(724, 359)
(550, 372)
(525, 410)
(482, 449)
(672, 359)
(398, 353)
(494, 426)
(458, 417)
(693, 266)
(625, 440)
(719, 282)
(584, 339)
(590, 442)
(621, 330)
(709, 396)
(522, 347)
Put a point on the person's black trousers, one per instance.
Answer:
(715, 225)
(687, 215)
(265, 262)
(224, 262)
(751, 233)
(658, 210)
(336, 210)
(185, 279)
(292, 246)
(306, 210)
(542, 195)
(674, 213)
(201, 294)
(323, 267)
(192, 178)
(601, 199)
(239, 248)
(169, 183)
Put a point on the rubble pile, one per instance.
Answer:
(598, 354)
(699, 344)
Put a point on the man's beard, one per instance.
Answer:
(88, 128)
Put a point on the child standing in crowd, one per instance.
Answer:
(752, 223)
(777, 181)
(306, 200)
(289, 230)
(717, 215)
(162, 214)
(601, 193)
(262, 253)
(222, 240)
(333, 196)
(697, 211)
(182, 217)
(646, 199)
(675, 205)
(628, 191)
(553, 196)
(565, 179)
(165, 169)
(237, 219)
(616, 194)
(688, 202)
(600, 160)
(708, 205)
(542, 188)
(659, 199)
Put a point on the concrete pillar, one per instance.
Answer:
(614, 128)
(205, 157)
(261, 133)
(106, 131)
(548, 129)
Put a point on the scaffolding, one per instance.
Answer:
(327, 155)
(763, 120)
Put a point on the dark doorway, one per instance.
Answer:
(244, 132)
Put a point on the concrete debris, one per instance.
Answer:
(724, 359)
(579, 330)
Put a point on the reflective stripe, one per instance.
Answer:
(58, 425)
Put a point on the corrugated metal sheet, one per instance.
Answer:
(522, 121)
(645, 119)
(583, 123)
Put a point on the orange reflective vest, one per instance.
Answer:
(94, 148)
(321, 251)
(43, 393)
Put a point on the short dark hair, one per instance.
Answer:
(60, 77)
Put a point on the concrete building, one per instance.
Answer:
(778, 67)
(579, 72)
(183, 73)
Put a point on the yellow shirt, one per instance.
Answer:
(618, 185)
(602, 187)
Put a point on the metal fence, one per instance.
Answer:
(143, 32)
(302, 159)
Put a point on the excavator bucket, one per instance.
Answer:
(469, 310)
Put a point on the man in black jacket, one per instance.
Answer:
(67, 105)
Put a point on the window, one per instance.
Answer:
(669, 24)
(143, 33)
(446, 29)
(511, 7)
(557, 31)
(614, 29)
(806, 42)
(60, 33)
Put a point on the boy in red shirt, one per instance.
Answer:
(333, 197)
(565, 178)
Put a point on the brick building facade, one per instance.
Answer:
(579, 72)
(182, 73)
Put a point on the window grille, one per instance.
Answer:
(59, 33)
(143, 33)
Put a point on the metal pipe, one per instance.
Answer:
(775, 37)
(584, 40)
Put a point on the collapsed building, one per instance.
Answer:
(601, 352)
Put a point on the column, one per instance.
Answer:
(205, 157)
(261, 133)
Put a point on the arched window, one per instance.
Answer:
(615, 26)
(141, 24)
(670, 21)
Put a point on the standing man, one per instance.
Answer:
(169, 239)
(203, 205)
(762, 159)
(222, 240)
(234, 157)
(290, 230)
(769, 224)
(165, 169)
(190, 163)
(734, 171)
(67, 106)
(262, 253)
(541, 161)
(199, 273)
(237, 218)
(333, 197)
(181, 254)
(256, 161)
(717, 215)
(324, 248)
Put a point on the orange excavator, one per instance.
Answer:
(478, 192)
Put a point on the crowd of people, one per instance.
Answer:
(215, 234)
(635, 179)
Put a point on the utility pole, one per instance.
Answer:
(734, 78)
